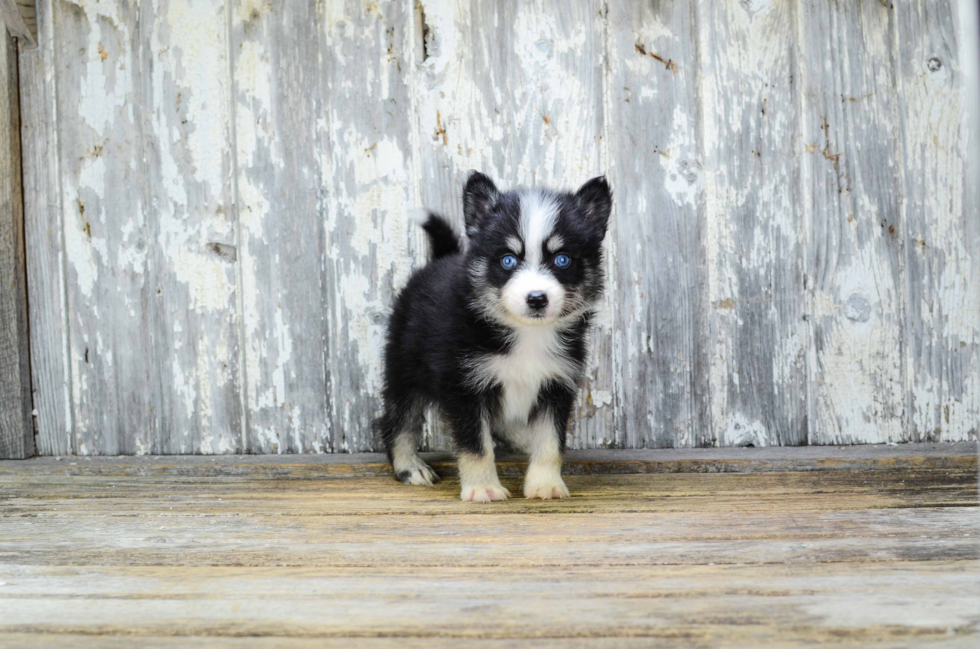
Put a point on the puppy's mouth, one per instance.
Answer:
(535, 318)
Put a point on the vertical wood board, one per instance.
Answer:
(753, 226)
(191, 302)
(852, 187)
(941, 245)
(275, 54)
(102, 185)
(659, 265)
(50, 371)
(16, 423)
(367, 157)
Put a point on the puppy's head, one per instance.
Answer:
(535, 256)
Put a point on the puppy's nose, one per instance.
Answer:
(537, 299)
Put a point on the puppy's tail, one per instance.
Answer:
(442, 237)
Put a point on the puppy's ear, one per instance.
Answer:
(595, 200)
(479, 197)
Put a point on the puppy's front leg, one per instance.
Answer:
(545, 442)
(477, 471)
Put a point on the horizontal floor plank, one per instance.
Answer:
(732, 637)
(769, 602)
(588, 462)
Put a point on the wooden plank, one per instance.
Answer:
(659, 273)
(639, 605)
(16, 423)
(308, 515)
(104, 213)
(367, 162)
(324, 538)
(50, 367)
(847, 557)
(852, 196)
(276, 89)
(577, 462)
(753, 230)
(514, 89)
(942, 241)
(881, 638)
(969, 51)
(323, 509)
(146, 196)
(191, 314)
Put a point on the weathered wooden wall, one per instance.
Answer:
(216, 196)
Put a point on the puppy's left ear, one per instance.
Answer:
(479, 197)
(595, 200)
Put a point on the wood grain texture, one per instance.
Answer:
(145, 191)
(853, 558)
(658, 229)
(367, 161)
(16, 423)
(753, 226)
(743, 460)
(104, 199)
(882, 638)
(275, 52)
(514, 89)
(941, 244)
(852, 194)
(968, 34)
(50, 369)
(191, 308)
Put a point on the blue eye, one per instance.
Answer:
(562, 261)
(508, 261)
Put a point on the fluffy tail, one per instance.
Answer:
(442, 237)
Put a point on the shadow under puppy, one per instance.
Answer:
(496, 335)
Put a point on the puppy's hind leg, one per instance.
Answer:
(401, 430)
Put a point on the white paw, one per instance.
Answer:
(544, 485)
(419, 474)
(483, 493)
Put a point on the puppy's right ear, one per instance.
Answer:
(479, 197)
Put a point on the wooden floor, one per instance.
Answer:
(879, 546)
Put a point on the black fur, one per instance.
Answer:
(442, 237)
(450, 314)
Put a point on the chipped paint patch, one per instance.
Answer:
(740, 431)
(682, 180)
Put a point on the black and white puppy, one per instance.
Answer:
(496, 335)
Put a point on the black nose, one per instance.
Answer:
(537, 299)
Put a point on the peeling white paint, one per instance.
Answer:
(602, 398)
(740, 431)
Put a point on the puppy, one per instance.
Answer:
(496, 335)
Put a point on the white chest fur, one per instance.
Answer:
(535, 357)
